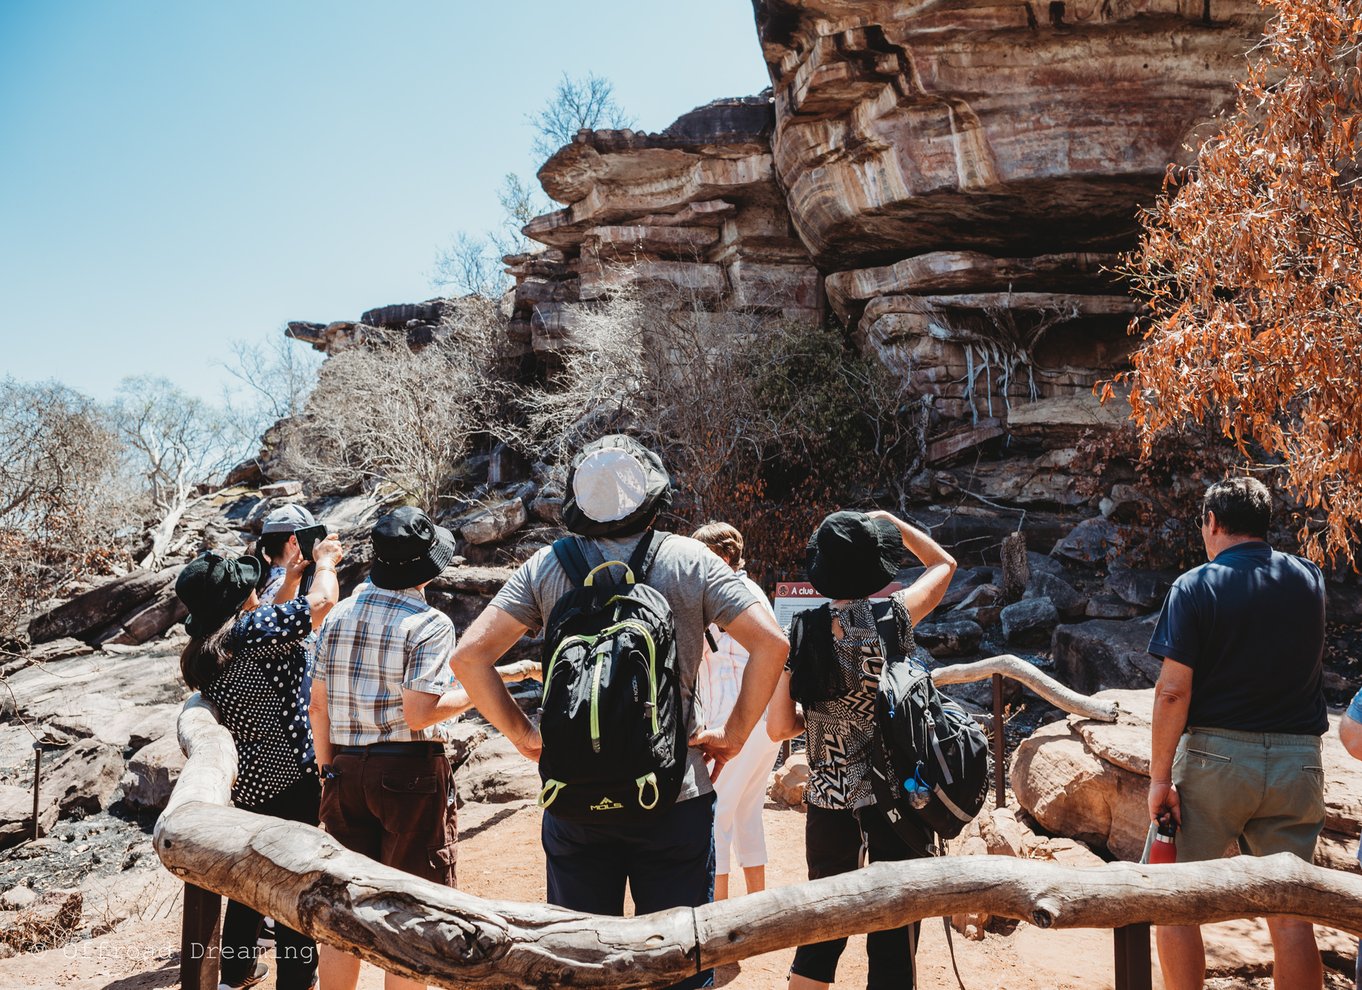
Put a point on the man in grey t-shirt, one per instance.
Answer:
(615, 491)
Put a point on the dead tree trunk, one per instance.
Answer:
(1038, 681)
(416, 928)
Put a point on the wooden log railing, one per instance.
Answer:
(452, 939)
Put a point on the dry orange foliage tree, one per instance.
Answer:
(1251, 265)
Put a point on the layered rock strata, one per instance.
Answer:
(696, 209)
(965, 172)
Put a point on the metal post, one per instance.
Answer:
(1133, 969)
(199, 933)
(37, 783)
(999, 744)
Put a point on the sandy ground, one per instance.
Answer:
(503, 860)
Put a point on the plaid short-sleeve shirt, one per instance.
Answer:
(371, 646)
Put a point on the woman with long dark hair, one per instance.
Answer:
(836, 655)
(249, 662)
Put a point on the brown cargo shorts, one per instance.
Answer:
(1263, 790)
(394, 802)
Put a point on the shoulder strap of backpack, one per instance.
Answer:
(572, 560)
(887, 626)
(641, 560)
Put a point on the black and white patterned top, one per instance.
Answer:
(840, 729)
(258, 700)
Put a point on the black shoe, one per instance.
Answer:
(265, 939)
(259, 973)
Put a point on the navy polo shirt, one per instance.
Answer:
(1250, 624)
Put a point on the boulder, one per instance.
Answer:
(95, 609)
(152, 773)
(18, 898)
(790, 781)
(1088, 542)
(952, 638)
(963, 583)
(548, 508)
(16, 814)
(1105, 653)
(1070, 791)
(84, 779)
(281, 489)
(1145, 589)
(145, 622)
(472, 579)
(1029, 622)
(94, 689)
(497, 773)
(1068, 601)
(1124, 504)
(131, 728)
(1105, 606)
(981, 597)
(494, 524)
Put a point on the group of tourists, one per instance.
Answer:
(337, 707)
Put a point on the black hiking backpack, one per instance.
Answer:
(613, 723)
(930, 761)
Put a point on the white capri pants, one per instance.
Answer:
(741, 790)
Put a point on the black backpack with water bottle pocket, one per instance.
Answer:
(929, 761)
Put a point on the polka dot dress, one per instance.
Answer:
(258, 697)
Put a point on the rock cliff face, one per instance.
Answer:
(696, 207)
(963, 171)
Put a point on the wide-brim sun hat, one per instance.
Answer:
(851, 555)
(214, 587)
(409, 549)
(615, 487)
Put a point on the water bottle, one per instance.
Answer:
(1165, 846)
(918, 792)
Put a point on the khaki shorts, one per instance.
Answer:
(1264, 791)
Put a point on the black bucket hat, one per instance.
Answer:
(409, 549)
(615, 487)
(851, 555)
(213, 587)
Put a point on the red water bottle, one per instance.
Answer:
(1165, 846)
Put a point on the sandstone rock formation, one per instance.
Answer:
(696, 207)
(965, 173)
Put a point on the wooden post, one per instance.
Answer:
(199, 933)
(1133, 969)
(999, 745)
(37, 784)
(1016, 568)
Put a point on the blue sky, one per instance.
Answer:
(177, 175)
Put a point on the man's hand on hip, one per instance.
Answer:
(717, 746)
(530, 745)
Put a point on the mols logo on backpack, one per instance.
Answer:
(613, 724)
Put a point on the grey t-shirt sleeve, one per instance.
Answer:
(1176, 636)
(726, 593)
(519, 596)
